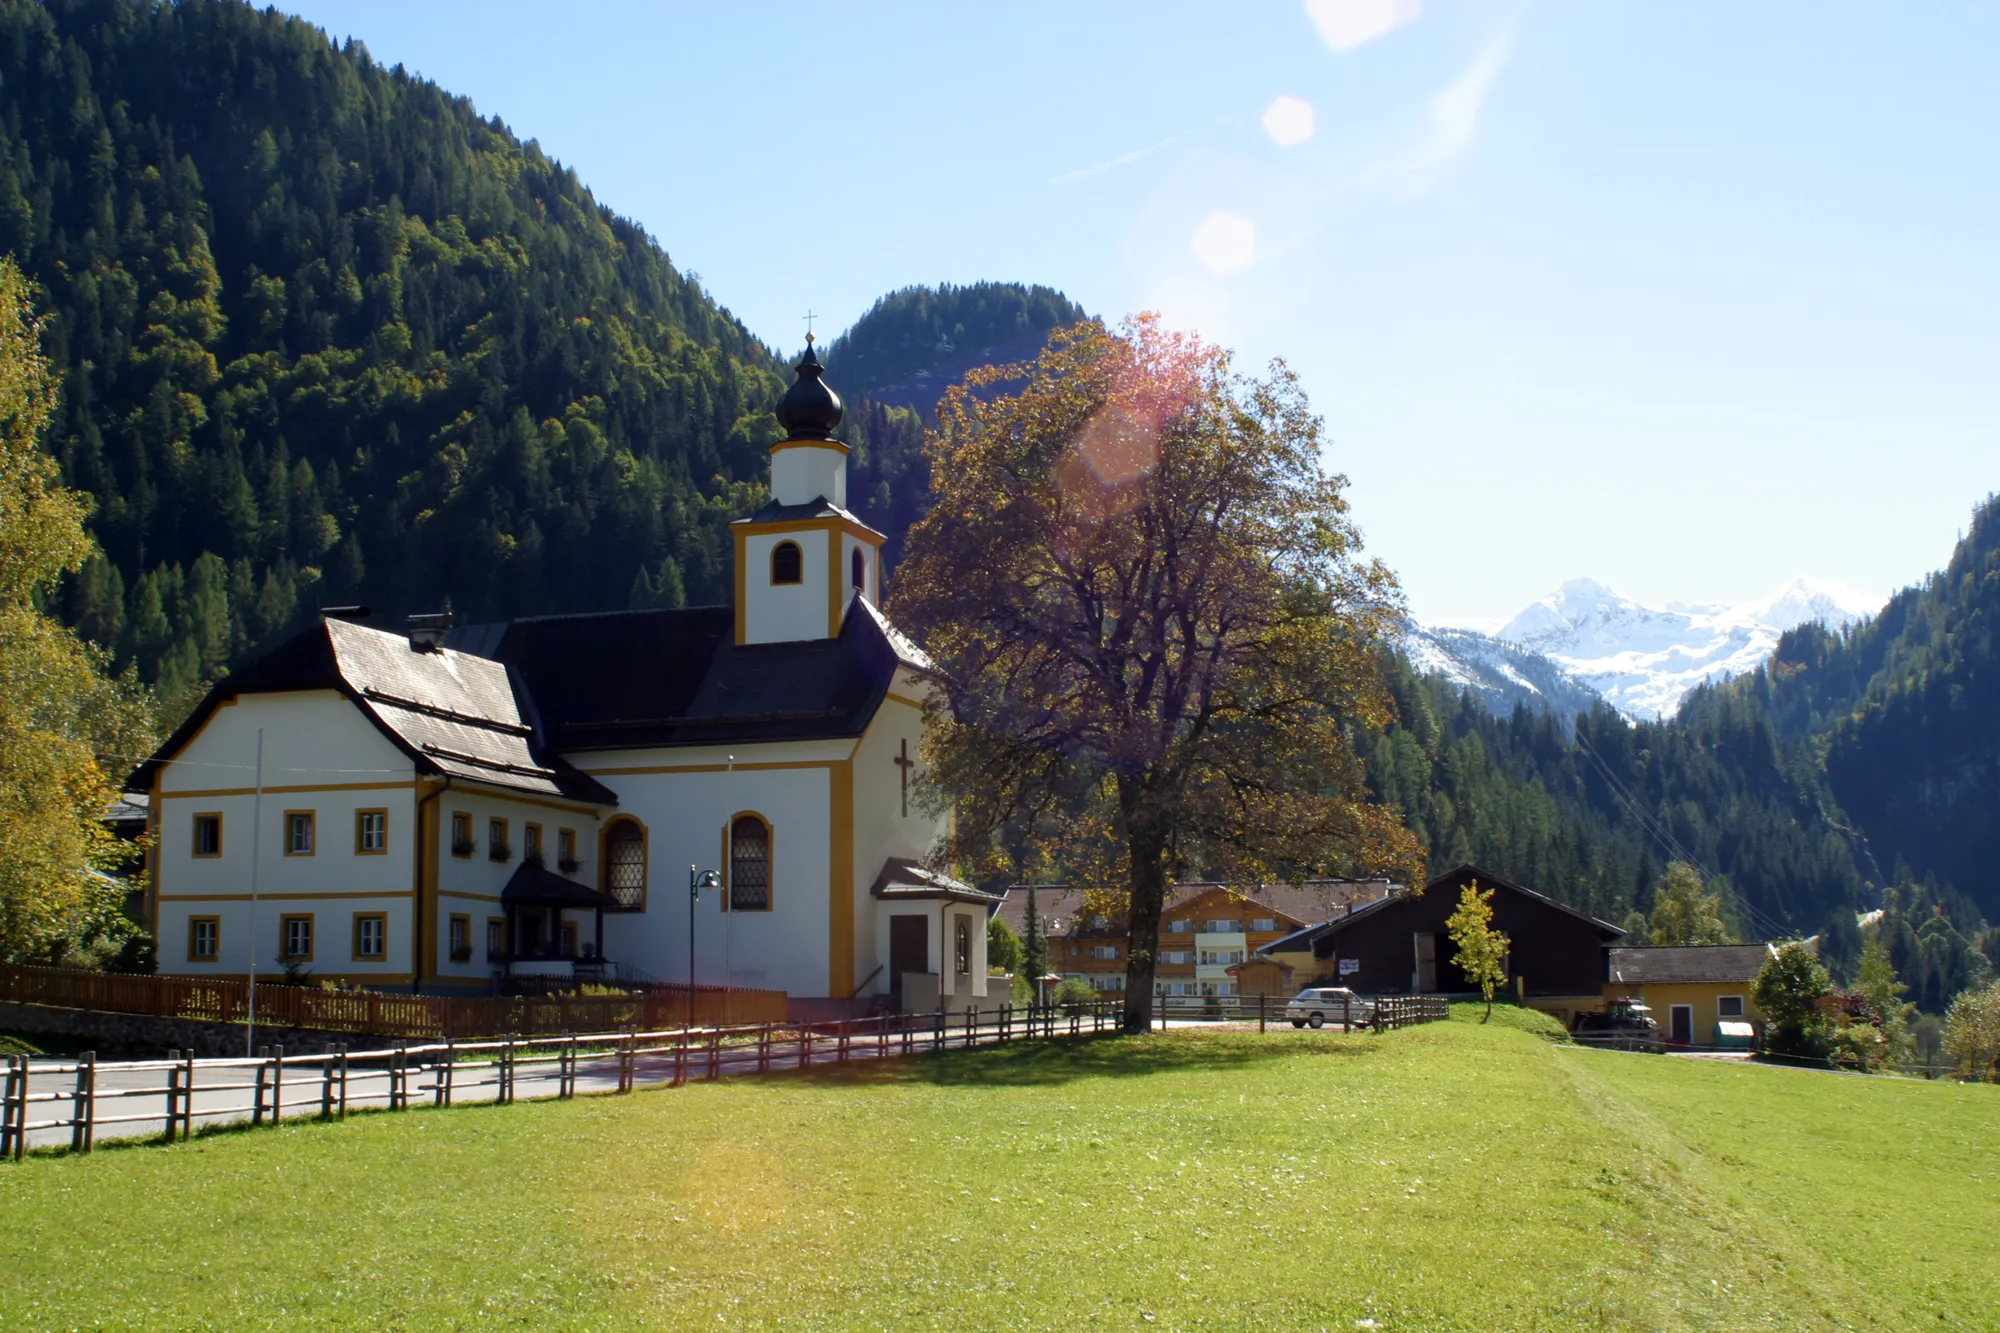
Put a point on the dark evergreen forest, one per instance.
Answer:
(327, 335)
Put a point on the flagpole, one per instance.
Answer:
(256, 845)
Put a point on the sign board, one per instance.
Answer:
(1349, 966)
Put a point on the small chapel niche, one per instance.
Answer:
(787, 564)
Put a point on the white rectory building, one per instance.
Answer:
(447, 809)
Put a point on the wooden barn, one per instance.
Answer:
(1399, 945)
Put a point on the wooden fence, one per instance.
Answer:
(376, 1013)
(1376, 1013)
(67, 1102)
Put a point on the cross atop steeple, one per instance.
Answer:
(810, 317)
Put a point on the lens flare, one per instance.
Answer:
(1346, 24)
(1225, 243)
(1288, 120)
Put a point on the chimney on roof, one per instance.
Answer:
(345, 612)
(427, 631)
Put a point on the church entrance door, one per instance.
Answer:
(909, 949)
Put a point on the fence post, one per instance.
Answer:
(173, 1097)
(341, 1051)
(504, 1093)
(625, 1062)
(263, 1079)
(187, 1095)
(882, 1037)
(277, 1084)
(714, 1053)
(441, 1076)
(399, 1073)
(326, 1087)
(17, 1077)
(84, 1132)
(566, 1069)
(805, 1044)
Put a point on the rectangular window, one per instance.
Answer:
(496, 840)
(1180, 927)
(1104, 951)
(1729, 1006)
(295, 934)
(1222, 927)
(208, 835)
(298, 833)
(496, 938)
(566, 849)
(371, 832)
(1264, 923)
(459, 939)
(461, 834)
(371, 937)
(531, 842)
(204, 938)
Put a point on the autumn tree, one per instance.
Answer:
(1972, 1033)
(1482, 950)
(64, 724)
(1156, 630)
(1685, 912)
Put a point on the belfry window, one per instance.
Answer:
(625, 864)
(858, 563)
(749, 864)
(787, 565)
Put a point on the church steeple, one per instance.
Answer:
(809, 410)
(803, 558)
(809, 464)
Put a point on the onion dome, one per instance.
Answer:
(809, 410)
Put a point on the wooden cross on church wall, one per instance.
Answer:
(903, 761)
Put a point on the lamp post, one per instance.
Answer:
(697, 881)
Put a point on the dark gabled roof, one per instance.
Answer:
(1301, 939)
(904, 879)
(645, 679)
(820, 508)
(1659, 965)
(533, 885)
(1293, 904)
(453, 713)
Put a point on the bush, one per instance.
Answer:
(1073, 992)
(1972, 1033)
(1788, 989)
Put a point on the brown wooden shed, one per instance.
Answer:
(1399, 944)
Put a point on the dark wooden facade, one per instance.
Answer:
(1554, 950)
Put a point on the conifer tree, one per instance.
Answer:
(1035, 953)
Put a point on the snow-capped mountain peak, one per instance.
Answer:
(1643, 659)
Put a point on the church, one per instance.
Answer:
(720, 795)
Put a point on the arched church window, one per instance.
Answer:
(625, 863)
(787, 565)
(749, 864)
(859, 564)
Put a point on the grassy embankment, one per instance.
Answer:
(1444, 1177)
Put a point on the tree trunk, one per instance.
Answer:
(1148, 899)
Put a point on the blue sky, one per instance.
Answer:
(1691, 300)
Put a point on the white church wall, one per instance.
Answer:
(470, 885)
(871, 575)
(685, 799)
(322, 758)
(779, 613)
(882, 829)
(803, 473)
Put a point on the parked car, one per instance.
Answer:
(1313, 1008)
(1623, 1024)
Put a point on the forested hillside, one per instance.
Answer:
(328, 334)
(896, 361)
(1856, 771)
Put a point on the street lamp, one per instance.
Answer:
(697, 881)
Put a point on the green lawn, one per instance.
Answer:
(1443, 1177)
